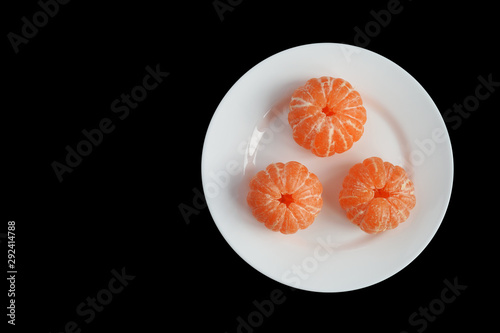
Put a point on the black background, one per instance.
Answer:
(119, 207)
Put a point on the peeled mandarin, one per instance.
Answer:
(285, 197)
(326, 115)
(377, 195)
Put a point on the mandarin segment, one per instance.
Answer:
(376, 171)
(262, 183)
(377, 216)
(377, 195)
(326, 115)
(285, 197)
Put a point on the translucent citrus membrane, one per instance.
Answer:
(327, 111)
(380, 193)
(287, 199)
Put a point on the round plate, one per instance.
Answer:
(249, 130)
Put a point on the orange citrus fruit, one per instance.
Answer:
(326, 116)
(285, 197)
(377, 195)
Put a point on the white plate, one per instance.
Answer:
(249, 130)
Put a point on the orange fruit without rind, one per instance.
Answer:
(377, 195)
(285, 197)
(326, 115)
